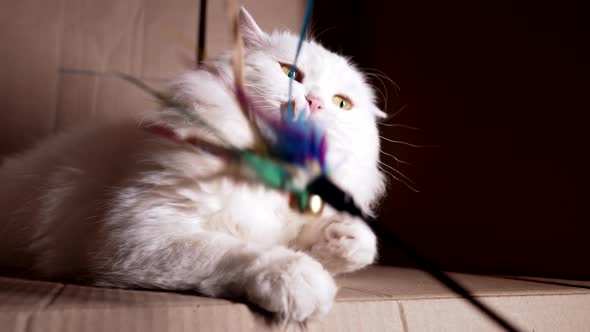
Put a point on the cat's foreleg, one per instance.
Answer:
(279, 280)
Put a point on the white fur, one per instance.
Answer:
(114, 205)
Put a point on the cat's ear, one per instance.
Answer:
(252, 35)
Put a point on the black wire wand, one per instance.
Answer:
(202, 31)
(342, 201)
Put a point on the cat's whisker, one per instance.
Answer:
(406, 143)
(314, 36)
(395, 158)
(398, 179)
(398, 125)
(397, 171)
(401, 109)
(384, 95)
(378, 73)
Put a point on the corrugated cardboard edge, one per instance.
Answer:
(377, 299)
(32, 297)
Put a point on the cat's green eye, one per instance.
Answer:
(287, 69)
(342, 102)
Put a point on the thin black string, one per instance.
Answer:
(427, 266)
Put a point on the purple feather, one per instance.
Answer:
(297, 141)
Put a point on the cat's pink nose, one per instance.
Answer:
(315, 103)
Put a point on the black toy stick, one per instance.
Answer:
(342, 201)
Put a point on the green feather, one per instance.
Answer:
(268, 171)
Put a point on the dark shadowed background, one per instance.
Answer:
(500, 89)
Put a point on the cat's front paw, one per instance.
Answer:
(347, 245)
(293, 285)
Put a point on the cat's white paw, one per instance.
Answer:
(292, 285)
(347, 245)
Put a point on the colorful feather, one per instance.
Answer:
(284, 148)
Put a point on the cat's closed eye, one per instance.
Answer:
(298, 75)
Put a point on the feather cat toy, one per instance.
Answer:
(288, 154)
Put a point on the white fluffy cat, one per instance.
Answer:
(115, 205)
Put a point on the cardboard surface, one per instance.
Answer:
(375, 299)
(57, 56)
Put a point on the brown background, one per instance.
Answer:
(502, 89)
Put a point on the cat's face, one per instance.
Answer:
(334, 94)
